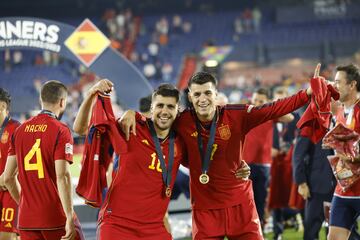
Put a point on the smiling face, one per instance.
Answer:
(344, 87)
(203, 98)
(163, 112)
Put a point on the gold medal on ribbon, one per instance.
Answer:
(168, 191)
(204, 178)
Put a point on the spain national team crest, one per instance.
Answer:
(225, 132)
(5, 137)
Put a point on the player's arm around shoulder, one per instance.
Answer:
(127, 123)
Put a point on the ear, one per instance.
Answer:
(354, 83)
(62, 102)
(189, 97)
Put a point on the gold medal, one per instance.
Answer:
(168, 191)
(204, 178)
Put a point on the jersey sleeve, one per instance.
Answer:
(64, 146)
(257, 115)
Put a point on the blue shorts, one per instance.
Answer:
(344, 212)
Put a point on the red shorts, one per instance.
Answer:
(115, 228)
(9, 210)
(237, 222)
(51, 234)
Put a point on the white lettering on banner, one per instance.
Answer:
(27, 33)
(329, 8)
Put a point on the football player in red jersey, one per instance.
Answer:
(222, 205)
(41, 151)
(8, 205)
(140, 192)
(138, 197)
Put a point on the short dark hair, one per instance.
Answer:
(5, 97)
(352, 73)
(202, 78)
(52, 91)
(145, 104)
(263, 91)
(167, 90)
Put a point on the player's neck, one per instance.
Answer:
(51, 109)
(162, 133)
(351, 100)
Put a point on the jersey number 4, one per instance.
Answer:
(38, 165)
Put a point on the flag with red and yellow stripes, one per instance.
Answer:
(87, 42)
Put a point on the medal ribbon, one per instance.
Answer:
(166, 172)
(51, 114)
(205, 161)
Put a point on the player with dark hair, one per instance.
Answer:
(9, 208)
(139, 195)
(41, 152)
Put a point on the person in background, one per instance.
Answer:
(9, 208)
(39, 157)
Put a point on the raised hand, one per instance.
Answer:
(104, 86)
(317, 70)
(316, 75)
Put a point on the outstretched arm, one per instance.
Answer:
(260, 114)
(83, 116)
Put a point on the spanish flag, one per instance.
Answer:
(87, 42)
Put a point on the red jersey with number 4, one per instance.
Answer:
(5, 140)
(233, 123)
(137, 193)
(38, 143)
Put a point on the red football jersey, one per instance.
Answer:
(5, 140)
(102, 140)
(258, 144)
(137, 193)
(233, 123)
(37, 143)
(354, 190)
